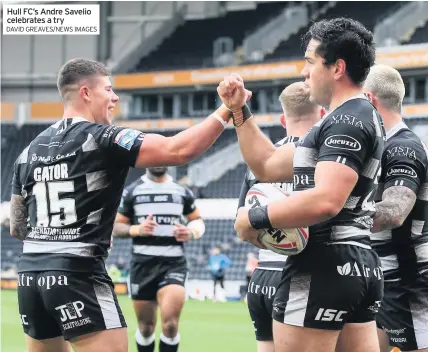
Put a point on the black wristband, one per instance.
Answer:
(241, 115)
(259, 218)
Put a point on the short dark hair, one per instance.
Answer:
(77, 69)
(346, 39)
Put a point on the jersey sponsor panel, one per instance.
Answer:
(167, 202)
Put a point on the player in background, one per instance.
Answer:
(66, 190)
(300, 114)
(151, 212)
(335, 169)
(218, 263)
(400, 229)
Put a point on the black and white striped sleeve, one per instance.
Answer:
(126, 206)
(404, 163)
(346, 144)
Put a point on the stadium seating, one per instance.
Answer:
(11, 248)
(367, 13)
(15, 142)
(191, 45)
(179, 51)
(419, 36)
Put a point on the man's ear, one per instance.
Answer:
(84, 93)
(372, 98)
(283, 121)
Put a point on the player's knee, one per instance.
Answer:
(146, 329)
(170, 328)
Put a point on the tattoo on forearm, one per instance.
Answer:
(397, 203)
(120, 229)
(18, 217)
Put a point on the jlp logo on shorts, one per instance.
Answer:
(71, 312)
(330, 314)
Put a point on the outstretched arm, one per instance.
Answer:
(157, 150)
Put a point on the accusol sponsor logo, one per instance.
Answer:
(342, 141)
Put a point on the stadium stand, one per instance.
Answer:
(10, 249)
(14, 141)
(367, 13)
(191, 45)
(419, 36)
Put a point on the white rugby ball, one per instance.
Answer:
(282, 241)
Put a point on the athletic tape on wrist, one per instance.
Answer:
(241, 115)
(224, 106)
(218, 117)
(259, 218)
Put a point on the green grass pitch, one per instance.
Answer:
(204, 326)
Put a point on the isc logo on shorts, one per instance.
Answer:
(330, 314)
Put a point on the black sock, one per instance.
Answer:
(148, 348)
(169, 345)
(145, 344)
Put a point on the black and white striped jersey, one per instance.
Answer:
(167, 201)
(353, 135)
(72, 176)
(404, 250)
(267, 258)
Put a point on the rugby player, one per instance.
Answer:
(67, 185)
(400, 232)
(299, 115)
(150, 212)
(336, 282)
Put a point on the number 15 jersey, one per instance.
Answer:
(72, 176)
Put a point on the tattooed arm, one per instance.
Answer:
(397, 203)
(18, 217)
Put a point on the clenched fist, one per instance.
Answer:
(232, 92)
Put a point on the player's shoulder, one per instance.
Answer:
(357, 112)
(359, 105)
(356, 118)
(130, 188)
(184, 190)
(286, 140)
(403, 142)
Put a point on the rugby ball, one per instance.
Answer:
(282, 241)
